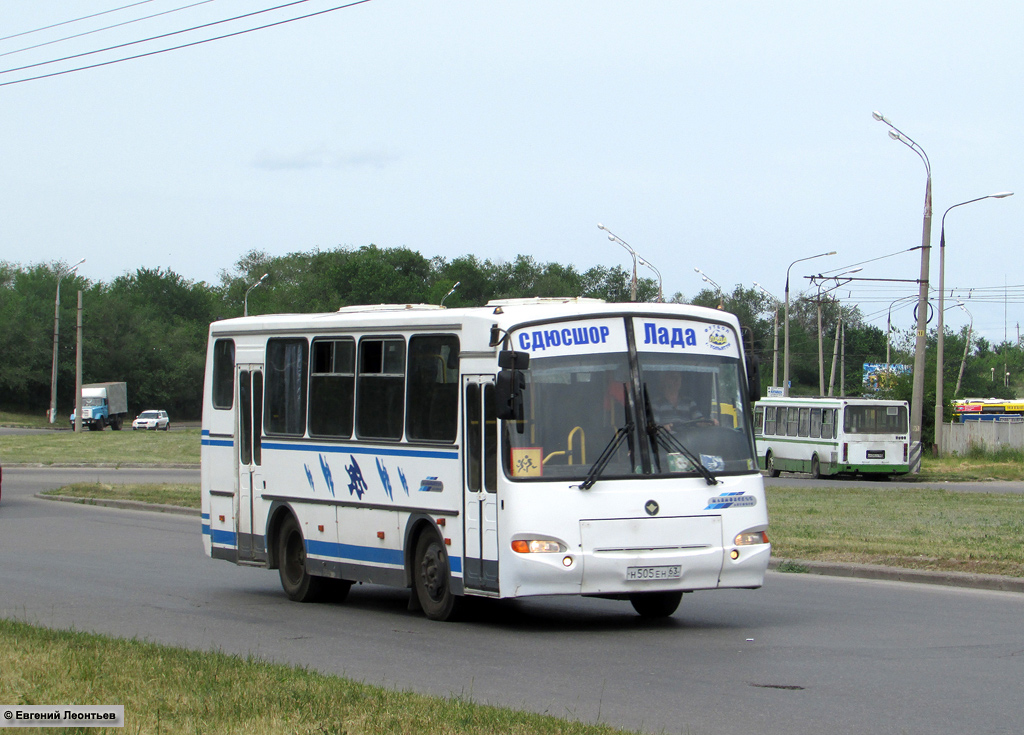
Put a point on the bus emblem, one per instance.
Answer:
(652, 508)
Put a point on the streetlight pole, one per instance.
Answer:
(785, 360)
(721, 296)
(967, 344)
(940, 343)
(917, 396)
(56, 330)
(615, 238)
(775, 348)
(245, 306)
(661, 297)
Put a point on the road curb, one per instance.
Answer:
(901, 574)
(123, 504)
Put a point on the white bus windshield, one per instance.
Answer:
(581, 405)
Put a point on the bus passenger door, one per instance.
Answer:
(249, 455)
(480, 494)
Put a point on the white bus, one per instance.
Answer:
(830, 436)
(510, 450)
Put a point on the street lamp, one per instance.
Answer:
(775, 319)
(245, 307)
(704, 277)
(661, 297)
(785, 360)
(56, 329)
(615, 238)
(917, 396)
(967, 344)
(940, 343)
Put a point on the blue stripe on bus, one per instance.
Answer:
(217, 442)
(350, 552)
(226, 538)
(348, 449)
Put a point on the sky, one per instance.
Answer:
(733, 137)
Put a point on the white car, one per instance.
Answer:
(152, 420)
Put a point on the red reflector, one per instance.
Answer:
(320, 528)
(447, 542)
(440, 521)
(380, 534)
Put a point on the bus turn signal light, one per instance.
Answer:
(748, 538)
(536, 546)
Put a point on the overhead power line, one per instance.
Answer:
(73, 20)
(173, 48)
(100, 30)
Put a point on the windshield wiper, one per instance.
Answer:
(609, 451)
(662, 436)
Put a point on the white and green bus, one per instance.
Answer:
(831, 436)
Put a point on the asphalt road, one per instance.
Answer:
(804, 654)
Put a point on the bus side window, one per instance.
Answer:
(805, 421)
(815, 423)
(332, 387)
(285, 392)
(793, 422)
(769, 419)
(758, 420)
(828, 423)
(223, 373)
(433, 388)
(380, 388)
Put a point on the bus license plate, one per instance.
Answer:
(876, 454)
(646, 573)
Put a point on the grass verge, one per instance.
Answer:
(171, 690)
(912, 528)
(103, 447)
(1006, 464)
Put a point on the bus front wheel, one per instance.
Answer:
(298, 583)
(815, 467)
(431, 579)
(769, 463)
(655, 604)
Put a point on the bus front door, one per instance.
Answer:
(249, 457)
(480, 494)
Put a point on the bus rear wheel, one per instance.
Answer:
(432, 579)
(297, 582)
(655, 604)
(769, 463)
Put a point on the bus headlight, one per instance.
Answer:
(749, 538)
(537, 546)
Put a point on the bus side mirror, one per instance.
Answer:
(511, 360)
(753, 378)
(510, 386)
